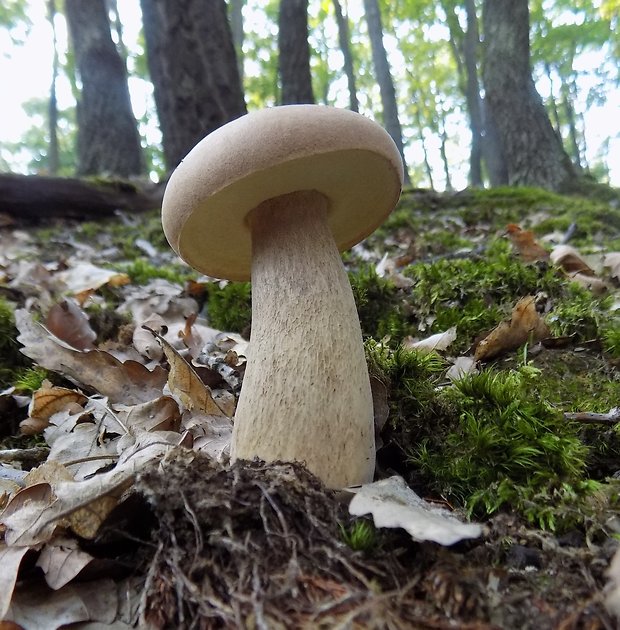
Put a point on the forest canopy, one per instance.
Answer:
(435, 74)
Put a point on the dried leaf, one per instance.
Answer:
(68, 322)
(525, 324)
(86, 521)
(462, 367)
(524, 242)
(129, 382)
(611, 261)
(143, 340)
(47, 401)
(86, 277)
(569, 259)
(186, 384)
(61, 560)
(10, 559)
(393, 504)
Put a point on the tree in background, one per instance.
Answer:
(344, 39)
(108, 140)
(294, 53)
(193, 67)
(531, 151)
(391, 120)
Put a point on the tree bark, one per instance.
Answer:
(238, 34)
(34, 197)
(391, 120)
(532, 153)
(294, 53)
(108, 140)
(53, 155)
(344, 39)
(193, 66)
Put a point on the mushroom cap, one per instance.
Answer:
(341, 154)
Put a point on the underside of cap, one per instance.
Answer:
(343, 155)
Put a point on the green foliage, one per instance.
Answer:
(141, 271)
(229, 307)
(611, 338)
(360, 535)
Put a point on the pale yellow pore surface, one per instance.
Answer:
(351, 160)
(306, 393)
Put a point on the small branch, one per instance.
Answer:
(612, 417)
(34, 455)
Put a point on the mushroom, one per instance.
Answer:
(273, 196)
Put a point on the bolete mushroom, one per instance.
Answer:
(273, 196)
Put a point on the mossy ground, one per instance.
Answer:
(496, 445)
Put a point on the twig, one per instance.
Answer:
(612, 417)
(33, 455)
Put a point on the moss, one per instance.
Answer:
(141, 271)
(31, 379)
(11, 359)
(229, 307)
(360, 535)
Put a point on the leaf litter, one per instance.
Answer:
(138, 454)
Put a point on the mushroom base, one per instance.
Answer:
(306, 393)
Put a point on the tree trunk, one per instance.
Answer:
(238, 34)
(344, 39)
(384, 78)
(108, 140)
(532, 153)
(294, 53)
(471, 44)
(53, 155)
(193, 66)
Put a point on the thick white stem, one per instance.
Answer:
(306, 393)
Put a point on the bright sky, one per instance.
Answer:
(26, 72)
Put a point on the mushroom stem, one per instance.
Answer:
(306, 392)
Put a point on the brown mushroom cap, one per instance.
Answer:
(343, 155)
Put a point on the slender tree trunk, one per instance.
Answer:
(391, 120)
(294, 53)
(194, 70)
(238, 34)
(344, 39)
(443, 151)
(471, 44)
(53, 154)
(427, 164)
(573, 134)
(108, 140)
(531, 150)
(553, 104)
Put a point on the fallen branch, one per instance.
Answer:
(612, 417)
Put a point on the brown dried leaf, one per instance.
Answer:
(68, 322)
(525, 324)
(85, 277)
(47, 401)
(129, 382)
(87, 520)
(611, 261)
(186, 384)
(143, 340)
(569, 259)
(524, 242)
(161, 414)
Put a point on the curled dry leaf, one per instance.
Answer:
(525, 325)
(67, 321)
(569, 259)
(47, 401)
(129, 382)
(524, 242)
(611, 261)
(161, 414)
(84, 277)
(393, 504)
(186, 384)
(10, 559)
(143, 340)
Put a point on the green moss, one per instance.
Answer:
(31, 379)
(360, 535)
(141, 271)
(11, 359)
(229, 307)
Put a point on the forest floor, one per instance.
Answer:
(491, 322)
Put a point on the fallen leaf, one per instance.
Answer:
(462, 367)
(524, 242)
(611, 261)
(61, 560)
(569, 259)
(47, 401)
(186, 384)
(10, 559)
(129, 382)
(143, 340)
(68, 322)
(86, 277)
(524, 325)
(393, 504)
